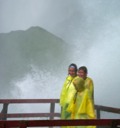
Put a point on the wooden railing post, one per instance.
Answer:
(4, 111)
(98, 112)
(52, 110)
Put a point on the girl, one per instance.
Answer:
(81, 105)
(68, 91)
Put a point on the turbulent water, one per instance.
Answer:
(34, 62)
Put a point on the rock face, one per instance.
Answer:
(35, 46)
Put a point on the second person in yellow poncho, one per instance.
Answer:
(82, 72)
(81, 105)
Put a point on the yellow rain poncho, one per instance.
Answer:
(67, 93)
(89, 85)
(81, 106)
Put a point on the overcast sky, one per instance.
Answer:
(22, 14)
(68, 19)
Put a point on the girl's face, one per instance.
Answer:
(82, 74)
(71, 71)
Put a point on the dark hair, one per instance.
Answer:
(74, 65)
(84, 69)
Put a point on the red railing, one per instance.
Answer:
(6, 102)
(44, 123)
